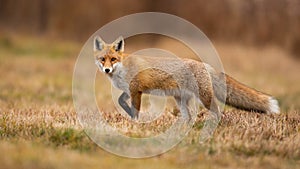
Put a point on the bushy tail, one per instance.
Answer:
(243, 97)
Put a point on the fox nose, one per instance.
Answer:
(107, 70)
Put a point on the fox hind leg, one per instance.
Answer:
(135, 104)
(182, 103)
(210, 103)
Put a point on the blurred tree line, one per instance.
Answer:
(253, 21)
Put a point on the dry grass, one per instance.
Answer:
(39, 129)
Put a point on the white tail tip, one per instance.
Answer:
(273, 106)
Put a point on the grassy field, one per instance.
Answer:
(39, 128)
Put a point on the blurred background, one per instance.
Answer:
(251, 37)
(258, 42)
(256, 22)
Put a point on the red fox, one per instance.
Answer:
(135, 75)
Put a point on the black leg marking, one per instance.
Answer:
(122, 101)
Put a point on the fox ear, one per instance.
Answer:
(118, 44)
(98, 44)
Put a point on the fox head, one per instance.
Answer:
(108, 57)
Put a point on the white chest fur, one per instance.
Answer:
(118, 78)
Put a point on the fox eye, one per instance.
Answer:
(102, 59)
(113, 59)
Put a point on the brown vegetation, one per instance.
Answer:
(39, 128)
(253, 22)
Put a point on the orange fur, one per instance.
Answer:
(144, 73)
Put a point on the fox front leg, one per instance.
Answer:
(122, 102)
(135, 103)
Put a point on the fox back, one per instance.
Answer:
(177, 77)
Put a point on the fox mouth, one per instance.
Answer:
(105, 70)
